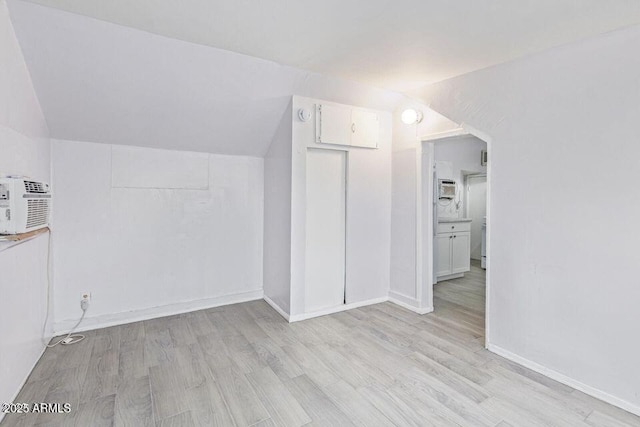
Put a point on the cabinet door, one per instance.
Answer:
(443, 254)
(334, 125)
(366, 129)
(460, 253)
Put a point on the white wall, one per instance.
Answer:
(368, 211)
(24, 148)
(403, 225)
(142, 251)
(277, 215)
(564, 269)
(407, 219)
(464, 155)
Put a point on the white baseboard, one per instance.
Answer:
(305, 316)
(449, 277)
(26, 377)
(107, 320)
(276, 307)
(554, 375)
(408, 303)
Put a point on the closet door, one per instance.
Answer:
(325, 229)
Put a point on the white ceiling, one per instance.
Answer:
(398, 45)
(101, 82)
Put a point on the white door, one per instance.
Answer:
(476, 210)
(460, 259)
(443, 254)
(325, 229)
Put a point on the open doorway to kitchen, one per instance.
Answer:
(455, 180)
(475, 203)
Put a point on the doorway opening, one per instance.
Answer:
(455, 194)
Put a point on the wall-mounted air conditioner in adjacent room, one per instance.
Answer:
(484, 158)
(24, 205)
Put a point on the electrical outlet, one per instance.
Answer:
(84, 302)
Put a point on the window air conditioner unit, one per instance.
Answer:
(24, 205)
(484, 158)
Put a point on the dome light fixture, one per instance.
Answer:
(411, 116)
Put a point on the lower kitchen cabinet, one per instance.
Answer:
(453, 246)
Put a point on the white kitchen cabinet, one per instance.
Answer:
(453, 241)
(460, 253)
(443, 248)
(343, 125)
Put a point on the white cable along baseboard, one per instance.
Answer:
(106, 320)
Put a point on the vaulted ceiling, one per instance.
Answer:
(393, 44)
(101, 82)
(216, 75)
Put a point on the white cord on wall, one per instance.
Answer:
(84, 305)
(451, 204)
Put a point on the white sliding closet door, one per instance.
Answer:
(325, 229)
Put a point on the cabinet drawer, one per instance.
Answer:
(453, 227)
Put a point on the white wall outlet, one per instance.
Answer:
(84, 302)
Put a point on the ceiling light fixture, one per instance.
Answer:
(411, 116)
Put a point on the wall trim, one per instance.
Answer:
(305, 316)
(448, 277)
(106, 320)
(26, 377)
(408, 302)
(276, 307)
(564, 379)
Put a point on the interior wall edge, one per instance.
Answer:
(107, 320)
(276, 307)
(408, 302)
(26, 377)
(332, 310)
(564, 379)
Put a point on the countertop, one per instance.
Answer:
(454, 220)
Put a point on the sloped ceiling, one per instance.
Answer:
(398, 45)
(101, 82)
(188, 75)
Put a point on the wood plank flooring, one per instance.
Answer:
(244, 365)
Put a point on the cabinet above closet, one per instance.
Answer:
(344, 125)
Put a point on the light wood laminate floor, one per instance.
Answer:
(244, 365)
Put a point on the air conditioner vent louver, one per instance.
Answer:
(35, 187)
(37, 212)
(25, 205)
